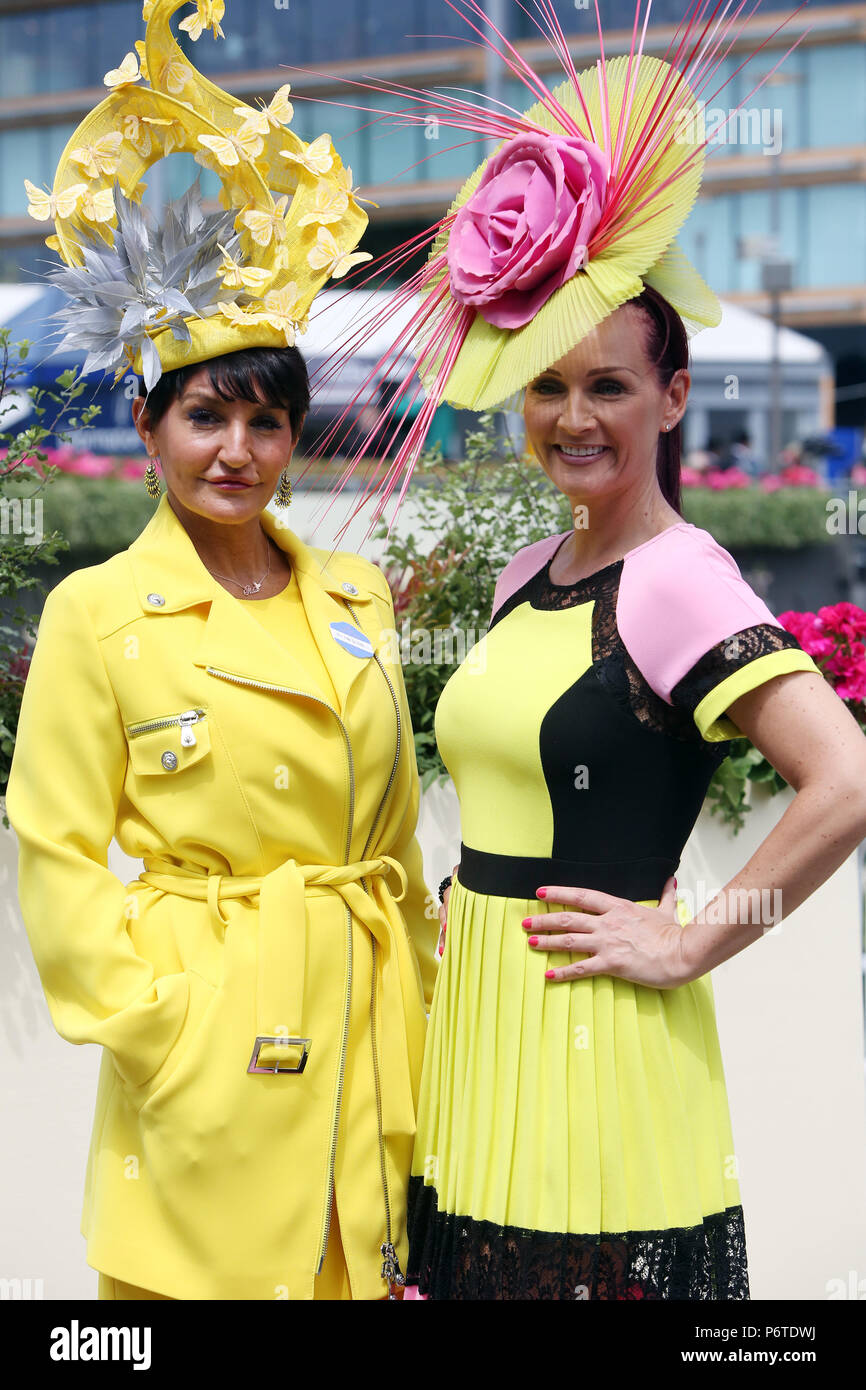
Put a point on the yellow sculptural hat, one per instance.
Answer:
(151, 298)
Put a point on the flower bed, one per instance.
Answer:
(86, 464)
(835, 637)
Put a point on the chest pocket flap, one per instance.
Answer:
(166, 745)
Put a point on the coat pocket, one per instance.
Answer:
(202, 995)
(168, 744)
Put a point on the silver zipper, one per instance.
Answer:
(268, 685)
(390, 1266)
(185, 720)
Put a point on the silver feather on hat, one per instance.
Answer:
(151, 274)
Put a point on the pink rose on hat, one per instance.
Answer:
(526, 228)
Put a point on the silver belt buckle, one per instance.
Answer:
(280, 1042)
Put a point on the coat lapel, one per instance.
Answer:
(325, 600)
(166, 567)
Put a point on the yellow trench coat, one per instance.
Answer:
(278, 837)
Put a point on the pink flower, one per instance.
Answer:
(729, 477)
(845, 618)
(19, 666)
(133, 468)
(852, 685)
(690, 477)
(526, 228)
(809, 632)
(858, 473)
(834, 636)
(770, 482)
(798, 475)
(89, 465)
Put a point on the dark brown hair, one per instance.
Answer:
(280, 374)
(667, 346)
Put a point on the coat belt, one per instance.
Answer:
(282, 927)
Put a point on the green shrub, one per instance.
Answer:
(787, 519)
(28, 543)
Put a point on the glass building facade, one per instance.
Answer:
(794, 158)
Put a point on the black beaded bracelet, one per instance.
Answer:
(446, 883)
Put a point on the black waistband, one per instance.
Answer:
(513, 876)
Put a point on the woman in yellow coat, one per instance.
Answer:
(263, 769)
(220, 699)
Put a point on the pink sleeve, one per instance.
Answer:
(677, 599)
(523, 566)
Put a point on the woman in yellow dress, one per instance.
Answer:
(220, 698)
(574, 1139)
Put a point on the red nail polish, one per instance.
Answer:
(533, 941)
(548, 974)
(541, 893)
(527, 922)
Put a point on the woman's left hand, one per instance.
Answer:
(623, 938)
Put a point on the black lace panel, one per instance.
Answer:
(729, 656)
(457, 1257)
(618, 673)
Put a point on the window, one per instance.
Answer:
(393, 148)
(754, 219)
(111, 31)
(66, 46)
(22, 262)
(282, 35)
(707, 240)
(836, 94)
(388, 29)
(337, 32)
(836, 220)
(20, 55)
(440, 21)
(21, 157)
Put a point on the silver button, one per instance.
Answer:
(349, 588)
(156, 599)
(169, 761)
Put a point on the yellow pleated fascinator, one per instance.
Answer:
(150, 297)
(573, 214)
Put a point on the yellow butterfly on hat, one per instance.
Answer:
(154, 296)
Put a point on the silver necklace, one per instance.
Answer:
(247, 588)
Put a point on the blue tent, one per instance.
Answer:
(26, 311)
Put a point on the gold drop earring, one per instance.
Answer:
(151, 479)
(283, 494)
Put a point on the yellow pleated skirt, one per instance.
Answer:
(574, 1137)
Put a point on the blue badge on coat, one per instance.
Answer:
(352, 640)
